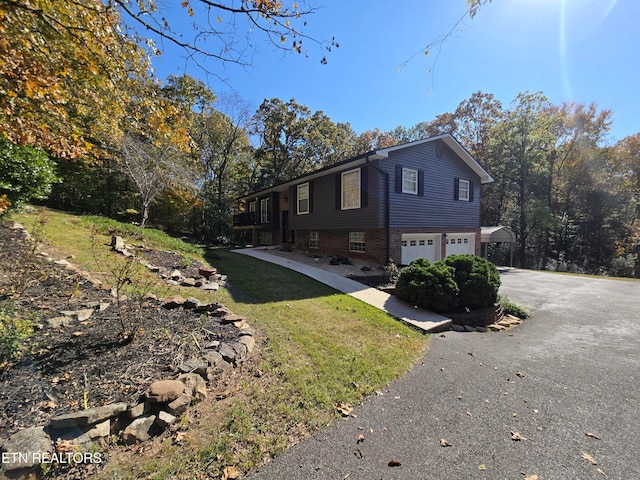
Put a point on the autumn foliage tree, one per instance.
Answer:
(65, 74)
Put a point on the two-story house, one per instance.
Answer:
(415, 200)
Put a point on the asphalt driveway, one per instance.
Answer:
(558, 397)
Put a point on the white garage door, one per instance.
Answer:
(420, 245)
(461, 243)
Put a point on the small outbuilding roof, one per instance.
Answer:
(497, 234)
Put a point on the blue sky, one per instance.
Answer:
(571, 50)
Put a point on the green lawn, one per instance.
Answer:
(316, 347)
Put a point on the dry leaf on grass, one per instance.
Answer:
(230, 473)
(180, 436)
(344, 408)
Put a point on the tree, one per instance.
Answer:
(224, 146)
(153, 168)
(374, 139)
(624, 176)
(69, 70)
(26, 173)
(65, 74)
(223, 31)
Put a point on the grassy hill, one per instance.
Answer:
(316, 349)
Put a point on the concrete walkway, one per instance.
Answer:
(423, 319)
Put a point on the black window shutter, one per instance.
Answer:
(398, 178)
(471, 191)
(338, 192)
(456, 188)
(364, 187)
(310, 197)
(421, 183)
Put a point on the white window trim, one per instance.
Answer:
(264, 210)
(314, 242)
(358, 238)
(342, 191)
(462, 190)
(301, 188)
(406, 171)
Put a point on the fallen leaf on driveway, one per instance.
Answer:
(444, 443)
(589, 458)
(531, 477)
(516, 437)
(394, 463)
(360, 438)
(358, 454)
(520, 374)
(344, 408)
(592, 435)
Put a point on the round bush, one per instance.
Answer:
(477, 279)
(427, 285)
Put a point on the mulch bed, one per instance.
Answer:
(91, 363)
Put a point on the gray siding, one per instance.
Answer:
(325, 216)
(437, 207)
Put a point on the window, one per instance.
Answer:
(463, 190)
(252, 212)
(409, 181)
(314, 239)
(264, 210)
(429, 242)
(350, 194)
(303, 199)
(356, 241)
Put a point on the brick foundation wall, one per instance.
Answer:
(337, 243)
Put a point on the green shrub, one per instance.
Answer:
(428, 285)
(510, 308)
(478, 280)
(25, 172)
(14, 329)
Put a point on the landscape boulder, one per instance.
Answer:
(164, 391)
(139, 430)
(21, 449)
(90, 416)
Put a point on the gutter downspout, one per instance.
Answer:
(387, 234)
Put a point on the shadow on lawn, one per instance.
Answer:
(251, 280)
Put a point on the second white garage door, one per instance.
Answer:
(461, 243)
(420, 245)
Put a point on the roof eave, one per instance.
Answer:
(451, 143)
